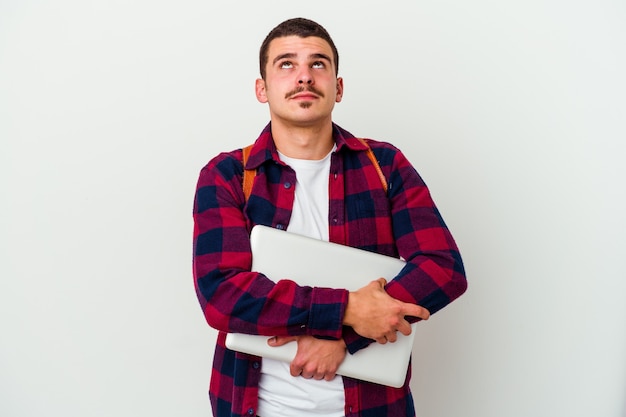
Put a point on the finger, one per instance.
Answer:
(295, 370)
(404, 327)
(382, 282)
(309, 372)
(381, 340)
(391, 337)
(415, 311)
(280, 340)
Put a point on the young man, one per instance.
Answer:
(314, 178)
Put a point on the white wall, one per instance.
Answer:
(513, 112)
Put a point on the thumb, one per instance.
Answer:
(280, 340)
(381, 281)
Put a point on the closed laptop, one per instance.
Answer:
(311, 262)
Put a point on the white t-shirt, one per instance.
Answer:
(280, 394)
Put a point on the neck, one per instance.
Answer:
(312, 143)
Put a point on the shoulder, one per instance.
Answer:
(386, 153)
(396, 167)
(228, 166)
(380, 145)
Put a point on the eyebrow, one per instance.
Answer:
(290, 55)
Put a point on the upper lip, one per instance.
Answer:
(307, 92)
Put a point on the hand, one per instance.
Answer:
(374, 314)
(315, 358)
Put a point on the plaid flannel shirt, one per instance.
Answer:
(402, 223)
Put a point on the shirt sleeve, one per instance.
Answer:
(233, 298)
(434, 275)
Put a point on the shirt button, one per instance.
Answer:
(280, 226)
(256, 365)
(287, 185)
(250, 411)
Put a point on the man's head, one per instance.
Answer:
(300, 27)
(299, 75)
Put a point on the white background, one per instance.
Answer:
(513, 112)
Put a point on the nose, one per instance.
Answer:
(305, 77)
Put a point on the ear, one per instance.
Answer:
(339, 90)
(259, 88)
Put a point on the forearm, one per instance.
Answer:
(233, 298)
(434, 275)
(430, 281)
(248, 302)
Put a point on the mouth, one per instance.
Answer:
(302, 93)
(307, 96)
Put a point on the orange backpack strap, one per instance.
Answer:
(248, 174)
(372, 157)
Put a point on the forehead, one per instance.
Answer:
(300, 47)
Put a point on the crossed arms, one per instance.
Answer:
(325, 321)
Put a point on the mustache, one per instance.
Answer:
(301, 89)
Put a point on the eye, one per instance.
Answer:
(318, 65)
(286, 65)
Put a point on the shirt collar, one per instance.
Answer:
(264, 148)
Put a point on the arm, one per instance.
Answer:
(234, 299)
(371, 312)
(434, 275)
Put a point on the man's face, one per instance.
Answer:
(300, 84)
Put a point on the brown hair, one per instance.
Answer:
(301, 27)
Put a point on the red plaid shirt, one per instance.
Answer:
(403, 223)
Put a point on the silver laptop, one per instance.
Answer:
(283, 255)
